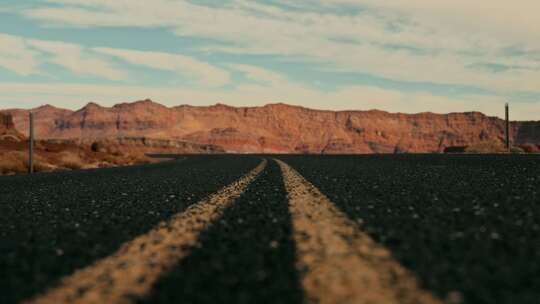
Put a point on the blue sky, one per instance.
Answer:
(400, 55)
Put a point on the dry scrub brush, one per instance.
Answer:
(489, 147)
(14, 162)
(486, 147)
(70, 160)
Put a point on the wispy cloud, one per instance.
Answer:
(203, 72)
(74, 58)
(26, 56)
(260, 75)
(379, 39)
(16, 56)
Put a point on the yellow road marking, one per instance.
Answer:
(338, 262)
(130, 272)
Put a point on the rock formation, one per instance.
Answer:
(8, 130)
(276, 128)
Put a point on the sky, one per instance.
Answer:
(396, 55)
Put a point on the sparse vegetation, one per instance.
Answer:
(12, 163)
(516, 150)
(52, 156)
(486, 147)
(489, 147)
(530, 148)
(70, 160)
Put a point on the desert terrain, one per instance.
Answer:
(391, 219)
(124, 134)
(79, 153)
(269, 151)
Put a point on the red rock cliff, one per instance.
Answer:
(277, 127)
(7, 128)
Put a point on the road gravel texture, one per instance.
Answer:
(467, 226)
(248, 256)
(55, 223)
(322, 229)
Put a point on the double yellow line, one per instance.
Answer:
(338, 263)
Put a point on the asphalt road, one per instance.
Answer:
(246, 257)
(466, 228)
(55, 223)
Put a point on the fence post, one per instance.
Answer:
(31, 145)
(507, 127)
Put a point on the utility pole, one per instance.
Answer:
(507, 127)
(31, 145)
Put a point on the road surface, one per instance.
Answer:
(276, 229)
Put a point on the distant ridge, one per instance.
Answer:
(276, 128)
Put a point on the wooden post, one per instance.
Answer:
(507, 127)
(31, 145)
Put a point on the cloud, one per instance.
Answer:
(205, 73)
(415, 41)
(74, 58)
(260, 75)
(493, 46)
(16, 56)
(26, 56)
(505, 21)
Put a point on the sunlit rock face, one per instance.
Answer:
(277, 128)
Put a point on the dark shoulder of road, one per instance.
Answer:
(467, 226)
(52, 224)
(245, 257)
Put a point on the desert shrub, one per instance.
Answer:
(486, 147)
(10, 137)
(109, 158)
(70, 160)
(13, 162)
(455, 149)
(140, 159)
(41, 166)
(530, 148)
(40, 145)
(516, 150)
(119, 158)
